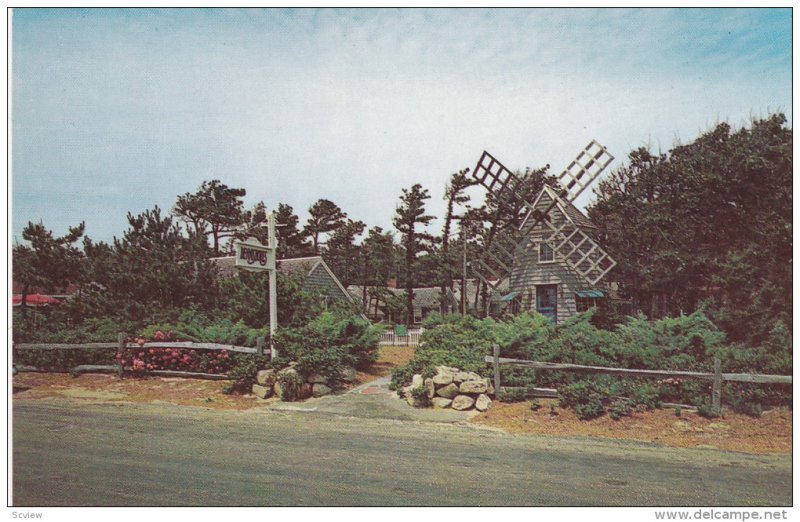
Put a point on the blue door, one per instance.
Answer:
(547, 301)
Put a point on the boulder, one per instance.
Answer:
(462, 402)
(483, 402)
(318, 390)
(448, 392)
(347, 374)
(443, 379)
(277, 389)
(288, 369)
(444, 370)
(441, 402)
(416, 402)
(417, 381)
(262, 392)
(489, 386)
(466, 376)
(316, 378)
(266, 377)
(305, 391)
(472, 387)
(430, 388)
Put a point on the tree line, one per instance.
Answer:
(706, 225)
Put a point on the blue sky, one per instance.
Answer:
(120, 110)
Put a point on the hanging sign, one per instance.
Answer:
(254, 256)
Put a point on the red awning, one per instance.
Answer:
(34, 300)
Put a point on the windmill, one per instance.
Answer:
(567, 241)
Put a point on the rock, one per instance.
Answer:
(441, 402)
(266, 377)
(305, 391)
(318, 390)
(483, 402)
(466, 376)
(430, 388)
(446, 370)
(277, 389)
(489, 386)
(316, 378)
(262, 392)
(292, 364)
(414, 401)
(288, 369)
(443, 378)
(472, 387)
(417, 381)
(448, 392)
(462, 402)
(347, 374)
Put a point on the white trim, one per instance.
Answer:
(539, 254)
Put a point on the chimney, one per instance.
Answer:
(392, 283)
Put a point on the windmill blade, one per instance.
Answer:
(579, 251)
(498, 180)
(584, 169)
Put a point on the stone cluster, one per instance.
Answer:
(268, 382)
(450, 388)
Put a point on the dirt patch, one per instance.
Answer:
(110, 388)
(389, 358)
(771, 433)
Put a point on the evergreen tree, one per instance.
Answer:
(324, 216)
(409, 215)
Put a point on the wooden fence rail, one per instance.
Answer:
(260, 349)
(716, 378)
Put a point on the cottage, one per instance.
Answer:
(541, 281)
(317, 275)
(388, 303)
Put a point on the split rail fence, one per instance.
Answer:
(716, 378)
(120, 345)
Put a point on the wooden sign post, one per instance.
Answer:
(254, 256)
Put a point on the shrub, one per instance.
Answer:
(704, 407)
(619, 408)
(535, 405)
(291, 383)
(420, 393)
(585, 397)
(328, 343)
(244, 371)
(646, 396)
(512, 394)
(62, 360)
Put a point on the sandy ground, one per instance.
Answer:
(186, 392)
(771, 433)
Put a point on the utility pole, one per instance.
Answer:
(272, 244)
(463, 272)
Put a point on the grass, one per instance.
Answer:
(771, 433)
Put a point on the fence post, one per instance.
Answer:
(121, 347)
(496, 354)
(716, 389)
(260, 346)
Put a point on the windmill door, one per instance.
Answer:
(547, 301)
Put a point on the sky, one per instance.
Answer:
(116, 111)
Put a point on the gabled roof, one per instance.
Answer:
(298, 266)
(568, 209)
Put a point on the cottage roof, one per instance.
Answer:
(568, 209)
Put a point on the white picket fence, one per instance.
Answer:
(392, 339)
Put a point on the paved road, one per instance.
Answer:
(66, 453)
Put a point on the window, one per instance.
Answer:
(545, 253)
